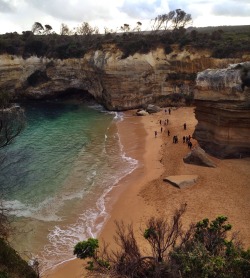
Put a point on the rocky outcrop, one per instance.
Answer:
(142, 112)
(198, 157)
(223, 111)
(117, 83)
(182, 181)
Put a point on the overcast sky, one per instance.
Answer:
(19, 15)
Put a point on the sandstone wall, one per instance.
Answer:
(222, 94)
(223, 111)
(117, 83)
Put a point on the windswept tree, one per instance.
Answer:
(12, 120)
(163, 22)
(86, 29)
(48, 29)
(37, 28)
(173, 20)
(125, 27)
(138, 26)
(181, 19)
(64, 30)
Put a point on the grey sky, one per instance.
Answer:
(19, 15)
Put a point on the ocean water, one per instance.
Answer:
(56, 175)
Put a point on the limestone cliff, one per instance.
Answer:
(117, 83)
(222, 95)
(223, 111)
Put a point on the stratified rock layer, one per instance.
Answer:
(117, 83)
(222, 95)
(223, 111)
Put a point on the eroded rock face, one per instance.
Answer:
(223, 111)
(198, 157)
(117, 83)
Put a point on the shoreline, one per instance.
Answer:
(122, 196)
(142, 194)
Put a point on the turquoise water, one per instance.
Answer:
(57, 173)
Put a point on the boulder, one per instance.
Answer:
(141, 113)
(153, 109)
(198, 157)
(181, 181)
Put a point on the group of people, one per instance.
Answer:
(186, 139)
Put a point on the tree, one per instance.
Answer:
(65, 31)
(125, 27)
(12, 122)
(163, 21)
(48, 28)
(181, 19)
(162, 234)
(128, 260)
(173, 20)
(203, 250)
(86, 29)
(37, 28)
(138, 27)
(209, 253)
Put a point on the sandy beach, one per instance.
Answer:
(224, 190)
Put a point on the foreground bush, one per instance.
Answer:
(204, 250)
(12, 265)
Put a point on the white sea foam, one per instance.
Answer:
(89, 223)
(43, 212)
(62, 237)
(97, 107)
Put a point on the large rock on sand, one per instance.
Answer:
(153, 109)
(182, 181)
(198, 157)
(142, 113)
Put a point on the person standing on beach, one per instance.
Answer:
(155, 134)
(190, 145)
(169, 111)
(185, 126)
(168, 133)
(161, 129)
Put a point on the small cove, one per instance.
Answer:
(56, 175)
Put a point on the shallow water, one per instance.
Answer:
(56, 174)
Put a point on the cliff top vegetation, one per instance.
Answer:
(167, 29)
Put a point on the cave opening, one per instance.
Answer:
(73, 94)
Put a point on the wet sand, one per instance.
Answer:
(224, 190)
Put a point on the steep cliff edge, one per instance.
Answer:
(222, 95)
(223, 111)
(117, 83)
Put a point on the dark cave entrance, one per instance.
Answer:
(73, 94)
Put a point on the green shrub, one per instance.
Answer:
(86, 249)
